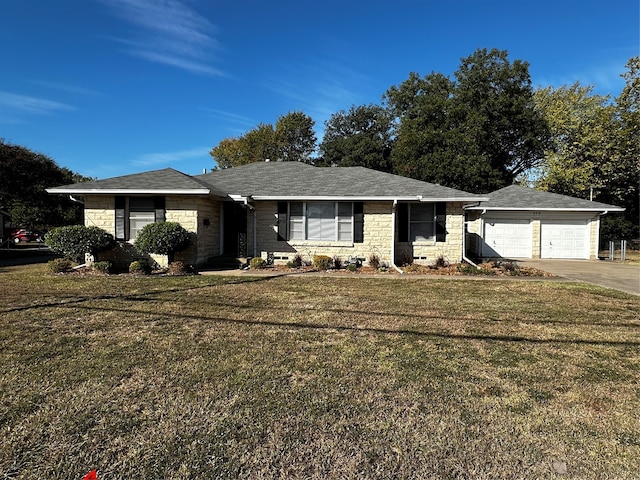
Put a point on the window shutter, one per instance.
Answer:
(120, 218)
(281, 225)
(158, 205)
(403, 222)
(358, 222)
(441, 222)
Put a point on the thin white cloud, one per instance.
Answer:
(168, 32)
(169, 158)
(230, 117)
(66, 87)
(14, 107)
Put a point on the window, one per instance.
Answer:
(133, 213)
(320, 221)
(420, 222)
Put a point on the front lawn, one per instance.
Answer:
(207, 377)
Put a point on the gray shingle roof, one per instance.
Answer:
(516, 197)
(291, 180)
(166, 180)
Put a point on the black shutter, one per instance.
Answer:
(158, 205)
(120, 218)
(441, 222)
(281, 224)
(403, 222)
(358, 222)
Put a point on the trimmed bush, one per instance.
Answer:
(59, 265)
(257, 263)
(322, 262)
(103, 267)
(352, 267)
(140, 267)
(75, 240)
(162, 238)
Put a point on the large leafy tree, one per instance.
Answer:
(477, 132)
(24, 176)
(361, 136)
(291, 139)
(596, 147)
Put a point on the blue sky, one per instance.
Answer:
(113, 87)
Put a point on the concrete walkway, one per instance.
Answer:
(619, 276)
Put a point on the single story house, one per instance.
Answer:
(518, 222)
(278, 210)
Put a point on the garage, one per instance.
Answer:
(564, 239)
(507, 238)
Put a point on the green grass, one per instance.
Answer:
(306, 377)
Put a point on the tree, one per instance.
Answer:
(24, 176)
(292, 139)
(478, 132)
(358, 137)
(596, 146)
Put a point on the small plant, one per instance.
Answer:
(178, 268)
(102, 267)
(352, 267)
(374, 261)
(59, 265)
(296, 262)
(322, 262)
(441, 262)
(406, 259)
(140, 267)
(257, 263)
(337, 262)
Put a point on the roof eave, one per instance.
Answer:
(548, 209)
(125, 191)
(387, 198)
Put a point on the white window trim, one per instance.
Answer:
(338, 220)
(425, 241)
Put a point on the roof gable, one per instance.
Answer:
(515, 197)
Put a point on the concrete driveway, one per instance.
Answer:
(620, 276)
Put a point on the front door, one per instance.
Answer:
(234, 230)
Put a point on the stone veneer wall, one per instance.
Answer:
(377, 237)
(189, 211)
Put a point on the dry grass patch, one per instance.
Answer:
(212, 377)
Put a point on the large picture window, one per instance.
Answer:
(134, 213)
(320, 221)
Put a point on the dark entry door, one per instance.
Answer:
(234, 230)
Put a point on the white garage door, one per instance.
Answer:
(562, 239)
(507, 238)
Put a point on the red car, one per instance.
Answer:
(23, 235)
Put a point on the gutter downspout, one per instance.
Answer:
(393, 236)
(255, 233)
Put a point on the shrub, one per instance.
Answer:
(374, 261)
(257, 263)
(296, 262)
(103, 267)
(75, 240)
(322, 262)
(337, 262)
(59, 265)
(140, 267)
(406, 259)
(162, 238)
(178, 268)
(352, 267)
(441, 262)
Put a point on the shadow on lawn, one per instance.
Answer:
(320, 326)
